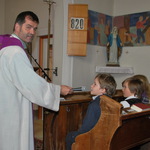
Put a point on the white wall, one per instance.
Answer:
(122, 7)
(2, 16)
(136, 57)
(103, 6)
(84, 67)
(78, 71)
(14, 7)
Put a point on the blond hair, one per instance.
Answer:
(107, 82)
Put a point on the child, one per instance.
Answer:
(132, 90)
(103, 84)
(146, 93)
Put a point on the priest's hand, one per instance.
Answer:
(65, 90)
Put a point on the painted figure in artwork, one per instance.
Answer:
(114, 48)
(102, 35)
(107, 28)
(140, 27)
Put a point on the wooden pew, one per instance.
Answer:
(114, 130)
(56, 125)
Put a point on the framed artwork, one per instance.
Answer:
(99, 27)
(133, 29)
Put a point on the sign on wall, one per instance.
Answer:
(77, 23)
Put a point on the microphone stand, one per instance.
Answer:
(44, 73)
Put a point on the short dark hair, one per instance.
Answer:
(107, 82)
(21, 17)
(135, 86)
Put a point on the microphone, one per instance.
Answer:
(44, 73)
(82, 88)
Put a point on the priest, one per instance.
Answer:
(20, 86)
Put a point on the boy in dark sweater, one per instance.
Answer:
(103, 84)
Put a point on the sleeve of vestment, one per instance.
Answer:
(20, 73)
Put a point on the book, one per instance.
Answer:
(140, 107)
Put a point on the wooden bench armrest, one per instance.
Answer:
(100, 136)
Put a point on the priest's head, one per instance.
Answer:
(26, 25)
